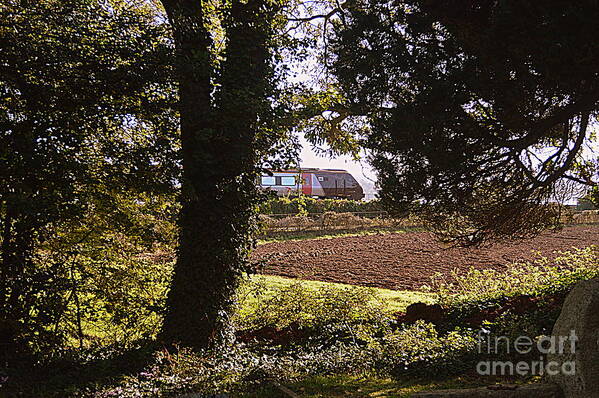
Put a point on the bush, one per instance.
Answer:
(536, 278)
(350, 330)
(524, 300)
(304, 204)
(357, 320)
(329, 311)
(420, 350)
(108, 274)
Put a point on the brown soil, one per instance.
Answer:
(404, 261)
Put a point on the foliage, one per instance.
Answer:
(87, 104)
(359, 318)
(118, 261)
(594, 196)
(421, 350)
(240, 369)
(322, 127)
(109, 270)
(296, 304)
(524, 300)
(537, 278)
(307, 205)
(476, 112)
(352, 331)
(91, 106)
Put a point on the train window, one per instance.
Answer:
(267, 180)
(322, 178)
(288, 181)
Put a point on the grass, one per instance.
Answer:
(396, 300)
(358, 387)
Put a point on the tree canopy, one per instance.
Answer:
(87, 115)
(477, 111)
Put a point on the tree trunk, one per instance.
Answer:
(218, 167)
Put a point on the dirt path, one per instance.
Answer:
(403, 261)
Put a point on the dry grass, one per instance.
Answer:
(332, 221)
(586, 217)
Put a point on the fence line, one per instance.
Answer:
(332, 221)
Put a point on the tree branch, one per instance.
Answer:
(326, 16)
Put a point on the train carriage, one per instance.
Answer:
(317, 183)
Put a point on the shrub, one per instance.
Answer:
(304, 204)
(101, 279)
(523, 300)
(357, 320)
(419, 349)
(352, 309)
(537, 278)
(353, 332)
(349, 329)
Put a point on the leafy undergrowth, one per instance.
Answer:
(540, 277)
(530, 294)
(325, 340)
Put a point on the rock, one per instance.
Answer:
(580, 313)
(526, 391)
(292, 333)
(430, 313)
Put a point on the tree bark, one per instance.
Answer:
(217, 138)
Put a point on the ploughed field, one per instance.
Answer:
(404, 261)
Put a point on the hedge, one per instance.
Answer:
(304, 205)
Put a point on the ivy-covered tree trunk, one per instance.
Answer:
(218, 129)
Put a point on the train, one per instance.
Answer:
(316, 183)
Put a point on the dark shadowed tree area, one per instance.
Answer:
(86, 126)
(478, 111)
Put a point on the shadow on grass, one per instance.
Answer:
(357, 387)
(74, 372)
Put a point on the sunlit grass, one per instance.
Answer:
(396, 300)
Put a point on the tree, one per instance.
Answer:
(222, 112)
(476, 110)
(85, 90)
(116, 132)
